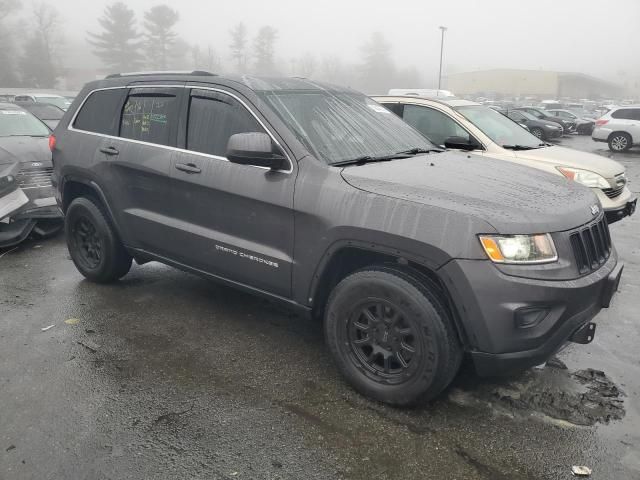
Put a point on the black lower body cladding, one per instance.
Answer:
(513, 323)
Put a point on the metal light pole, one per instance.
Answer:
(443, 29)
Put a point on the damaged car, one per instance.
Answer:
(27, 203)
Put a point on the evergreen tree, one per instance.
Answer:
(239, 46)
(160, 36)
(377, 70)
(264, 45)
(118, 45)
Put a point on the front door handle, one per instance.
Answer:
(188, 167)
(109, 150)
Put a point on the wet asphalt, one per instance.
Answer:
(168, 376)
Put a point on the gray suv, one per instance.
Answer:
(322, 199)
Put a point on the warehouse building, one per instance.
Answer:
(538, 83)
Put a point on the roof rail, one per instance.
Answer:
(195, 73)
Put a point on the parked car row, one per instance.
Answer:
(416, 228)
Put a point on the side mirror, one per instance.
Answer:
(462, 143)
(257, 149)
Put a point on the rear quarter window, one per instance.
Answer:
(623, 114)
(100, 112)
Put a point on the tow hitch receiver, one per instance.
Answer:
(584, 334)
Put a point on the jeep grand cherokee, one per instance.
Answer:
(318, 197)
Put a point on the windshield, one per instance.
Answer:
(60, 102)
(339, 126)
(498, 127)
(19, 123)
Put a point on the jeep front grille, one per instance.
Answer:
(37, 178)
(591, 245)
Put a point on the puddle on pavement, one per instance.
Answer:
(583, 397)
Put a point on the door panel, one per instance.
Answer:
(236, 221)
(141, 165)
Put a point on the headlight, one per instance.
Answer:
(585, 177)
(519, 248)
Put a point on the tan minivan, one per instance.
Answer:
(461, 124)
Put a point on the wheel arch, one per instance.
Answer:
(346, 257)
(76, 186)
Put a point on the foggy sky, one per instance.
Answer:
(594, 37)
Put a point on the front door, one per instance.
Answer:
(236, 220)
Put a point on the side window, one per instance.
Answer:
(635, 113)
(517, 117)
(149, 116)
(394, 107)
(100, 112)
(213, 118)
(434, 125)
(623, 114)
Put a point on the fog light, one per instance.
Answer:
(529, 317)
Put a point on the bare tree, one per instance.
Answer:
(118, 45)
(159, 22)
(8, 76)
(205, 59)
(239, 46)
(38, 65)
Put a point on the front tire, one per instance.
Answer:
(391, 336)
(619, 142)
(93, 243)
(538, 133)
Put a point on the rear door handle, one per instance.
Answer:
(188, 167)
(109, 150)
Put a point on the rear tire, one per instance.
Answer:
(93, 244)
(538, 133)
(619, 142)
(392, 336)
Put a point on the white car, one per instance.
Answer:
(57, 100)
(461, 124)
(619, 127)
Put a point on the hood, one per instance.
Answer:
(568, 157)
(26, 150)
(512, 198)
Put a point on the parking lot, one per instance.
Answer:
(166, 375)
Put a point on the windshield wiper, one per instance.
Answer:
(522, 147)
(366, 159)
(383, 158)
(418, 151)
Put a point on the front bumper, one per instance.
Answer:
(512, 323)
(615, 214)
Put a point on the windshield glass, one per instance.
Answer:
(497, 127)
(339, 126)
(19, 123)
(60, 102)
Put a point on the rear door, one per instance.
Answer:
(635, 125)
(141, 159)
(237, 220)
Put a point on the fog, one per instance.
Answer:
(592, 37)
